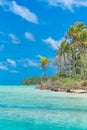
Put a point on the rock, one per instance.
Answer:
(54, 89)
(68, 90)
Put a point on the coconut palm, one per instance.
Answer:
(83, 50)
(77, 34)
(61, 55)
(73, 50)
(44, 64)
(63, 49)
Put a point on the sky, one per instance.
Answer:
(31, 29)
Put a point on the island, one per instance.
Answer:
(71, 60)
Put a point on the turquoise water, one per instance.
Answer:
(26, 108)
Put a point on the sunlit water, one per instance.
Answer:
(26, 108)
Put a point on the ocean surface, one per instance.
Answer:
(26, 108)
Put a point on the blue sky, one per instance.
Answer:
(30, 29)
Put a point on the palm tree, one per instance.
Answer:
(44, 64)
(83, 50)
(72, 51)
(77, 35)
(61, 54)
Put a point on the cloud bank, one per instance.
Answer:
(68, 4)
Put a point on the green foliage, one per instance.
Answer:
(71, 59)
(62, 74)
(44, 64)
(68, 82)
(72, 53)
(38, 80)
(34, 80)
(84, 83)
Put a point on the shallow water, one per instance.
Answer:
(26, 108)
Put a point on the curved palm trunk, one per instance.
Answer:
(82, 71)
(73, 65)
(65, 63)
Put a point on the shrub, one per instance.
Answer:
(84, 83)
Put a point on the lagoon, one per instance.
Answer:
(27, 108)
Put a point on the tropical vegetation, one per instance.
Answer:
(71, 55)
(44, 64)
(70, 58)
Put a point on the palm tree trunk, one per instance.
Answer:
(82, 72)
(73, 65)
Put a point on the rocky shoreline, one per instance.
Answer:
(49, 86)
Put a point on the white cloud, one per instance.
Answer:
(26, 62)
(6, 65)
(29, 36)
(14, 71)
(11, 62)
(38, 56)
(51, 42)
(32, 63)
(12, 36)
(22, 11)
(3, 66)
(69, 4)
(54, 44)
(14, 39)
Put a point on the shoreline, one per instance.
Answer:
(64, 94)
(66, 90)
